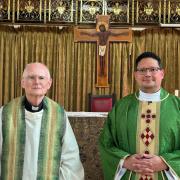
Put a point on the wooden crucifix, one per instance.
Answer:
(102, 35)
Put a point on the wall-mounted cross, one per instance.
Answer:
(102, 35)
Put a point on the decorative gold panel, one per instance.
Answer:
(119, 11)
(148, 12)
(30, 10)
(173, 12)
(5, 10)
(122, 12)
(89, 9)
(61, 11)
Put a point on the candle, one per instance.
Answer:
(176, 92)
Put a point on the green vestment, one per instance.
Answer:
(50, 145)
(119, 135)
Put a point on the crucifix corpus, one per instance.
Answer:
(102, 35)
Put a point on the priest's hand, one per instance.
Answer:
(144, 164)
(139, 164)
(157, 163)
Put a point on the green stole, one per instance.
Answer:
(148, 132)
(50, 144)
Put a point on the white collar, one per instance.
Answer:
(155, 97)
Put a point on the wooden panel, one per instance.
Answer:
(78, 37)
(127, 37)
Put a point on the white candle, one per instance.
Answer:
(176, 92)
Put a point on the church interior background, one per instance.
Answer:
(43, 31)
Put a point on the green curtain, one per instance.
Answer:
(73, 65)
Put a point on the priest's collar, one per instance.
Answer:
(31, 108)
(155, 97)
(152, 97)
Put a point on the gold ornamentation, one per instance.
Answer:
(29, 7)
(117, 9)
(1, 6)
(92, 9)
(61, 8)
(178, 10)
(148, 9)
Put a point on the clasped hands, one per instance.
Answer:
(144, 164)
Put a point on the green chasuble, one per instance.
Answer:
(50, 144)
(132, 127)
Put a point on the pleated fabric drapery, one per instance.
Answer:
(166, 43)
(73, 65)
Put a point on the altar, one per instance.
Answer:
(87, 127)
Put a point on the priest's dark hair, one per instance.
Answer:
(148, 54)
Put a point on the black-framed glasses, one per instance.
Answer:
(152, 70)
